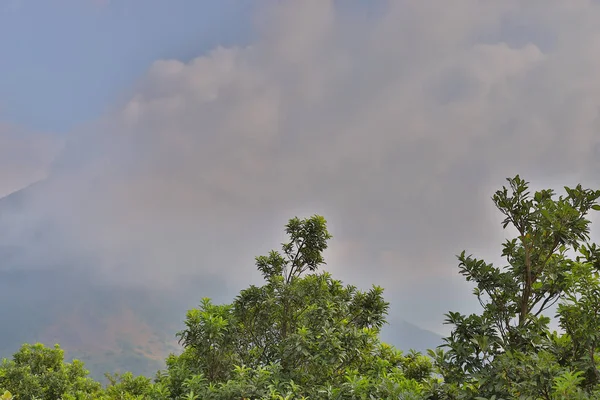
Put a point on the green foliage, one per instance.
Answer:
(40, 372)
(126, 386)
(579, 315)
(507, 351)
(300, 334)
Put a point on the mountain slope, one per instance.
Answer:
(105, 327)
(406, 336)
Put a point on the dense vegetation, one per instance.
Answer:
(304, 335)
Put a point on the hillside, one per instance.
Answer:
(108, 328)
(408, 336)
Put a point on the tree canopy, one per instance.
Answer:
(507, 351)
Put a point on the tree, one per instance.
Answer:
(507, 350)
(300, 334)
(39, 372)
(579, 316)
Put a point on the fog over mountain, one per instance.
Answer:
(396, 121)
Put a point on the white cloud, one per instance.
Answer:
(398, 127)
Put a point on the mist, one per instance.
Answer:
(396, 125)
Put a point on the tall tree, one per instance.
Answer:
(301, 327)
(486, 351)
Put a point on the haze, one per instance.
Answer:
(173, 140)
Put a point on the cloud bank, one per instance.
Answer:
(397, 124)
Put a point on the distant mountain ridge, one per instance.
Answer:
(407, 336)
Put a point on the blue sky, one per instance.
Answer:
(63, 62)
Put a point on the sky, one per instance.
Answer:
(176, 138)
